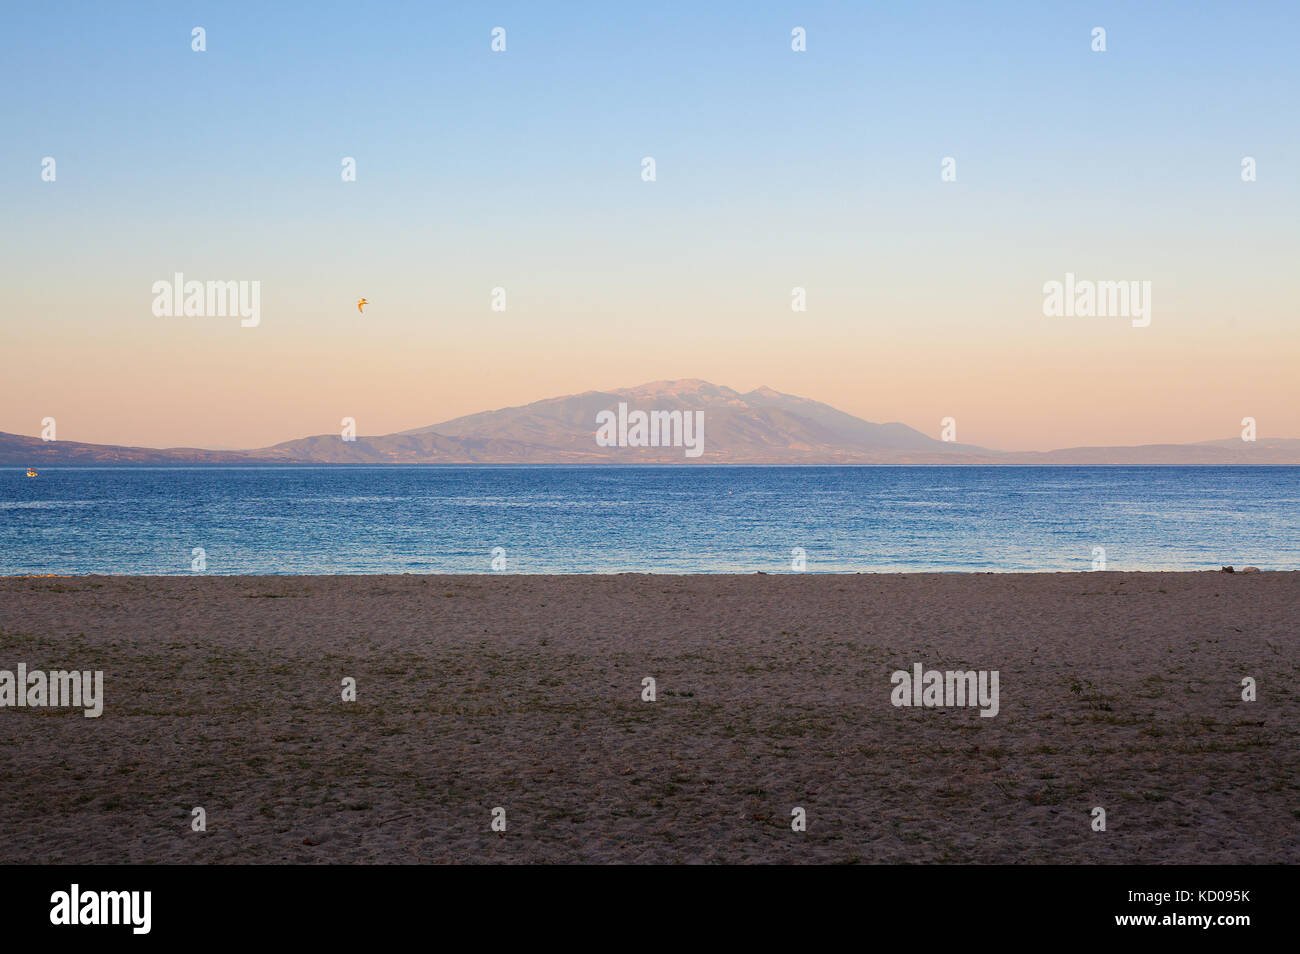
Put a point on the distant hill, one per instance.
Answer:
(18, 450)
(763, 426)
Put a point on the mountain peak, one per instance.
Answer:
(681, 387)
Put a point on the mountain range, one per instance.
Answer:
(763, 426)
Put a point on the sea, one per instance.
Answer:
(668, 519)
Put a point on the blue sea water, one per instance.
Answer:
(646, 519)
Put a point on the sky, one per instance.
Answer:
(774, 169)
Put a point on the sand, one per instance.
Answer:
(1118, 690)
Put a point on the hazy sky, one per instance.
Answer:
(775, 169)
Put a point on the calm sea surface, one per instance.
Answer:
(656, 519)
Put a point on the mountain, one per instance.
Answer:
(763, 426)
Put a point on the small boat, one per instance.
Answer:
(31, 471)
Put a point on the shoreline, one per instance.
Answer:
(577, 574)
(615, 465)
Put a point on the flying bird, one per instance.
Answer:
(360, 304)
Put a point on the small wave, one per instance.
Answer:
(44, 504)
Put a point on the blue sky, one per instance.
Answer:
(439, 124)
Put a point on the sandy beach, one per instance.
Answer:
(1117, 690)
